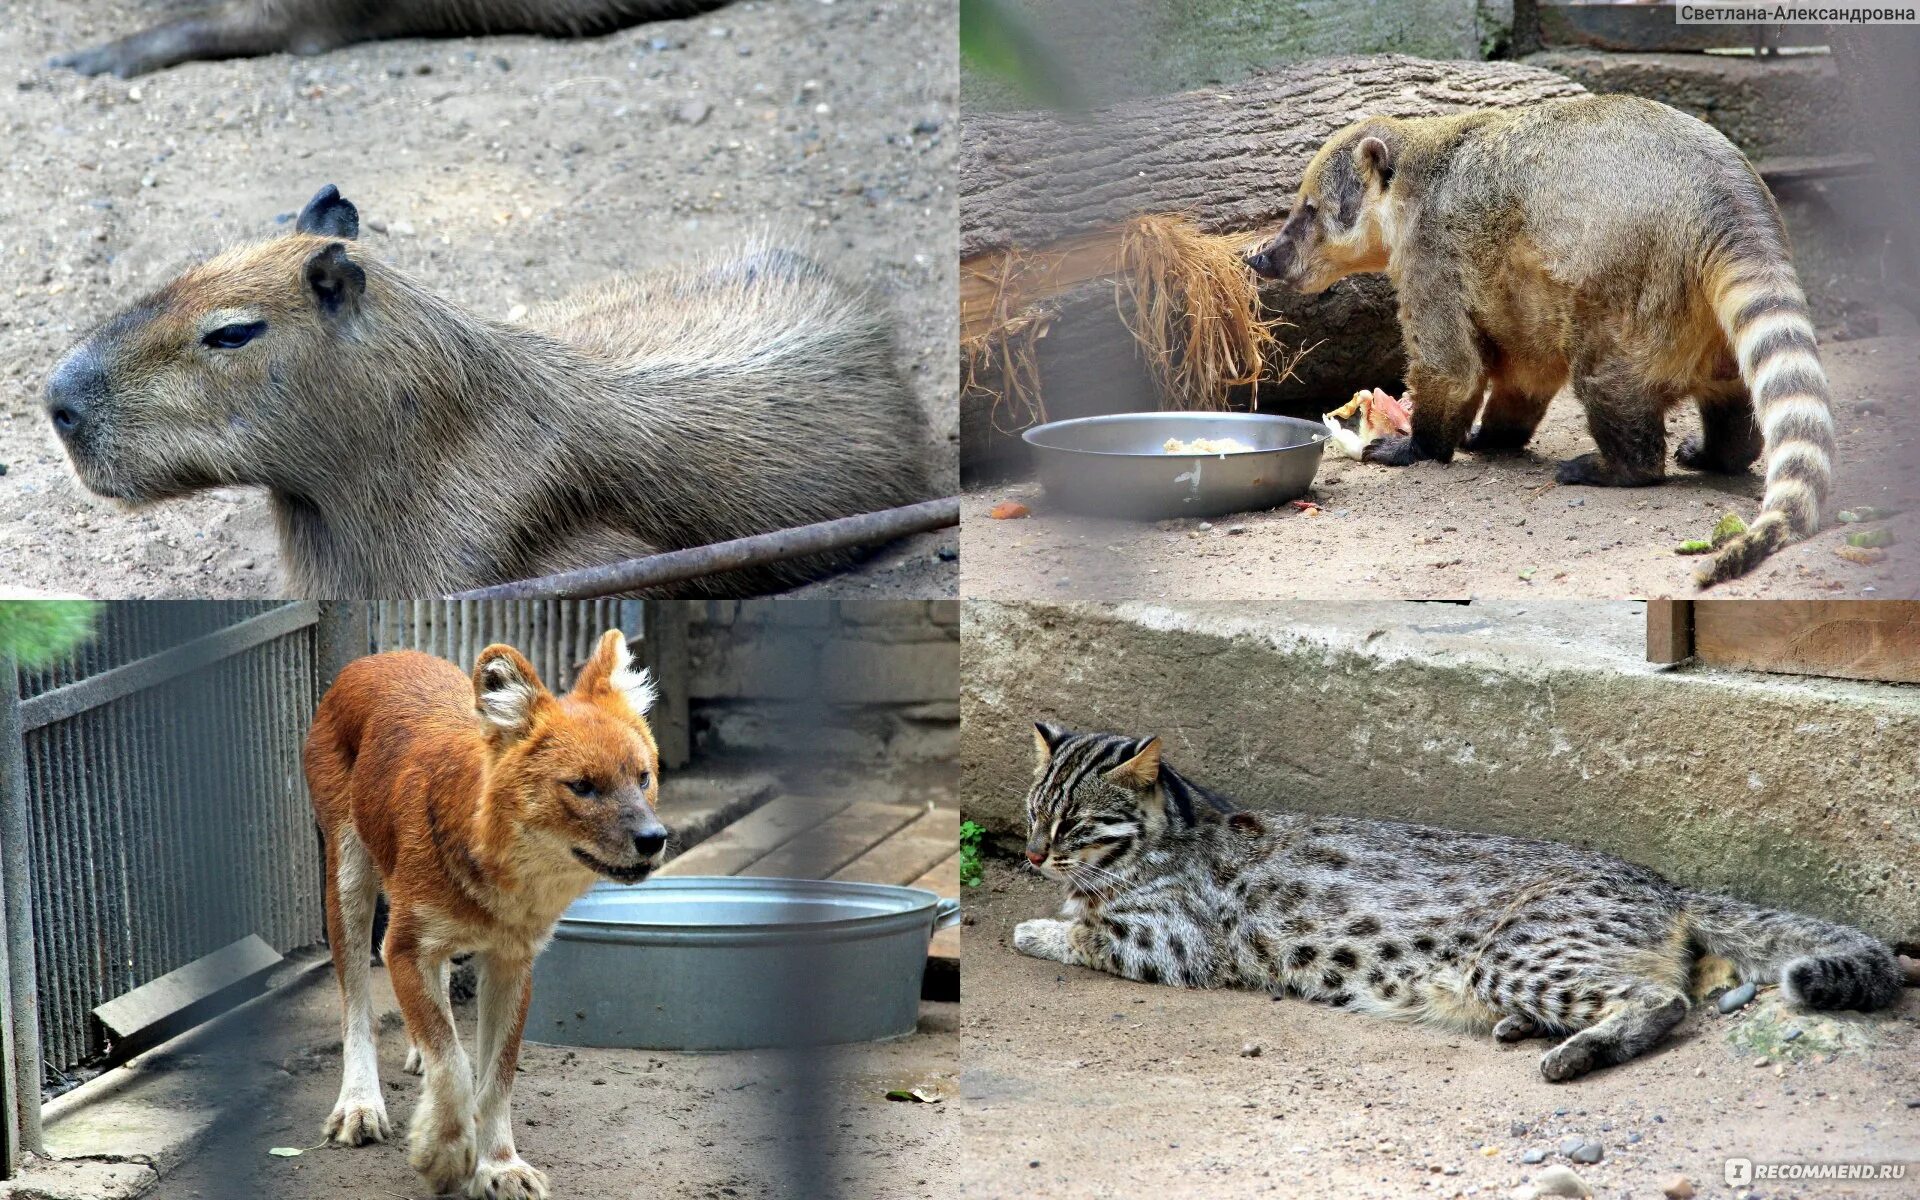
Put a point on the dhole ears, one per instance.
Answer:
(505, 689)
(1372, 155)
(336, 281)
(329, 215)
(1141, 771)
(611, 667)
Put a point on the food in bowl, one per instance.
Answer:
(1224, 445)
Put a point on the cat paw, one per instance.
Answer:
(1515, 1028)
(1042, 938)
(1569, 1060)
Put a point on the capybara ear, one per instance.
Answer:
(1141, 771)
(505, 689)
(611, 670)
(337, 282)
(330, 215)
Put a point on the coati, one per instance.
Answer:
(411, 447)
(245, 28)
(1609, 240)
(1169, 882)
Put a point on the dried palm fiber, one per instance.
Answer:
(1188, 301)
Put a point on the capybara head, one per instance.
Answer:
(1095, 797)
(1342, 221)
(190, 387)
(573, 777)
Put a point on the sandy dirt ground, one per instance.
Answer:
(601, 1123)
(1483, 525)
(502, 171)
(1079, 1084)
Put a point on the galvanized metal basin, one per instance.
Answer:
(728, 963)
(1115, 465)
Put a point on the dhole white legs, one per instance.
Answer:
(353, 886)
(505, 984)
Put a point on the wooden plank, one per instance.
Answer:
(184, 997)
(910, 853)
(943, 879)
(1669, 631)
(823, 849)
(752, 837)
(1849, 639)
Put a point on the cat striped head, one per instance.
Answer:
(1094, 800)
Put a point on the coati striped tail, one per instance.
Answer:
(1818, 964)
(1764, 315)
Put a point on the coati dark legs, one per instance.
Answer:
(1729, 441)
(1631, 1026)
(1626, 418)
(1445, 372)
(1508, 420)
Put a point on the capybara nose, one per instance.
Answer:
(649, 842)
(1036, 857)
(72, 390)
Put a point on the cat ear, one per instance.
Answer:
(1046, 739)
(1141, 771)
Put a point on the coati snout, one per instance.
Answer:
(1339, 224)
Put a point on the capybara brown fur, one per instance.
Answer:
(245, 28)
(411, 447)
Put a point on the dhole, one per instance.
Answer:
(483, 807)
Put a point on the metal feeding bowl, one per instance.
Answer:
(728, 963)
(1118, 466)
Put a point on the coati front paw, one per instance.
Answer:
(1397, 451)
(1696, 454)
(512, 1179)
(357, 1122)
(1595, 471)
(1042, 939)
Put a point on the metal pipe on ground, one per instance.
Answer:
(676, 566)
(16, 899)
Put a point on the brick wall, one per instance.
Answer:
(867, 680)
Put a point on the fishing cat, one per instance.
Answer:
(1168, 882)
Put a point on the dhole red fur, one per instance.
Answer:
(483, 806)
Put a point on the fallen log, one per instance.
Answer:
(1048, 318)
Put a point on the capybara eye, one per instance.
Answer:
(234, 336)
(580, 787)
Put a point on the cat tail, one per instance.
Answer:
(1183, 793)
(1818, 964)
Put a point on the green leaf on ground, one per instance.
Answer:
(970, 838)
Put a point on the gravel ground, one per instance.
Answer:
(601, 1123)
(1481, 526)
(505, 171)
(1079, 1084)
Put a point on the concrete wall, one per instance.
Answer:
(1537, 720)
(866, 680)
(1124, 48)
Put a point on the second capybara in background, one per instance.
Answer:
(244, 28)
(412, 447)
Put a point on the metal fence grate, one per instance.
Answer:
(555, 635)
(167, 812)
